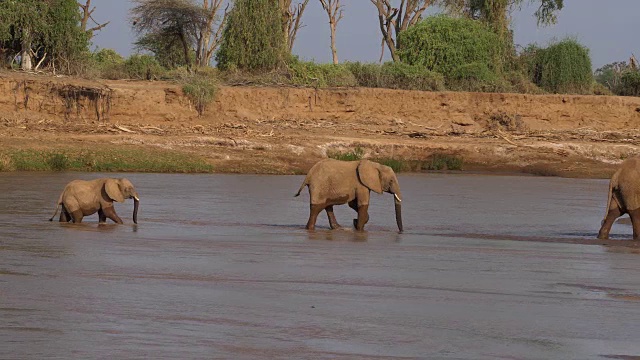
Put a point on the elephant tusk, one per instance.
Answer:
(397, 197)
(136, 198)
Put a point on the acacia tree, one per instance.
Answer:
(164, 25)
(291, 19)
(334, 11)
(87, 14)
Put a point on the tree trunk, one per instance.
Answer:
(334, 51)
(25, 53)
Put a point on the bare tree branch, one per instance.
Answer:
(394, 21)
(334, 11)
(87, 14)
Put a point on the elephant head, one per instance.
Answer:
(381, 178)
(121, 189)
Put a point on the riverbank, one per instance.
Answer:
(51, 123)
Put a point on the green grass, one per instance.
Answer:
(443, 162)
(354, 155)
(114, 160)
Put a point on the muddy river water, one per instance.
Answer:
(220, 266)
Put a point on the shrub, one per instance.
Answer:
(253, 38)
(564, 67)
(629, 83)
(476, 77)
(443, 162)
(58, 161)
(394, 75)
(354, 155)
(142, 67)
(201, 90)
(442, 44)
(320, 75)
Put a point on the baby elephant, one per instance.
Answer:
(624, 198)
(82, 198)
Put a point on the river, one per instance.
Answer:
(220, 266)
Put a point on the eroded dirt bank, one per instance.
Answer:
(286, 129)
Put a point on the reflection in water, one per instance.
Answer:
(228, 271)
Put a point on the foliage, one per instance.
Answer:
(320, 75)
(166, 49)
(630, 83)
(610, 75)
(253, 38)
(443, 44)
(47, 32)
(104, 160)
(563, 67)
(354, 155)
(201, 90)
(142, 67)
(440, 161)
(395, 75)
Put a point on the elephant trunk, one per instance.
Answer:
(398, 214)
(398, 204)
(136, 204)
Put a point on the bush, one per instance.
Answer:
(629, 83)
(443, 44)
(354, 155)
(564, 67)
(443, 162)
(142, 67)
(393, 75)
(201, 90)
(476, 77)
(253, 38)
(320, 75)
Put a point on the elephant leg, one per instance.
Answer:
(65, 217)
(102, 218)
(363, 217)
(613, 213)
(110, 212)
(314, 210)
(333, 223)
(635, 221)
(77, 216)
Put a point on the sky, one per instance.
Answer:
(607, 28)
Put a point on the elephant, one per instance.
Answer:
(335, 182)
(623, 198)
(82, 198)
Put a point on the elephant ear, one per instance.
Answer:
(369, 175)
(112, 187)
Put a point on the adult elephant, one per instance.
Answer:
(624, 198)
(81, 198)
(334, 182)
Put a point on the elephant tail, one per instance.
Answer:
(304, 183)
(57, 207)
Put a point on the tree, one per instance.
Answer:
(164, 25)
(207, 38)
(87, 14)
(291, 19)
(43, 31)
(253, 38)
(176, 21)
(394, 20)
(20, 22)
(334, 11)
